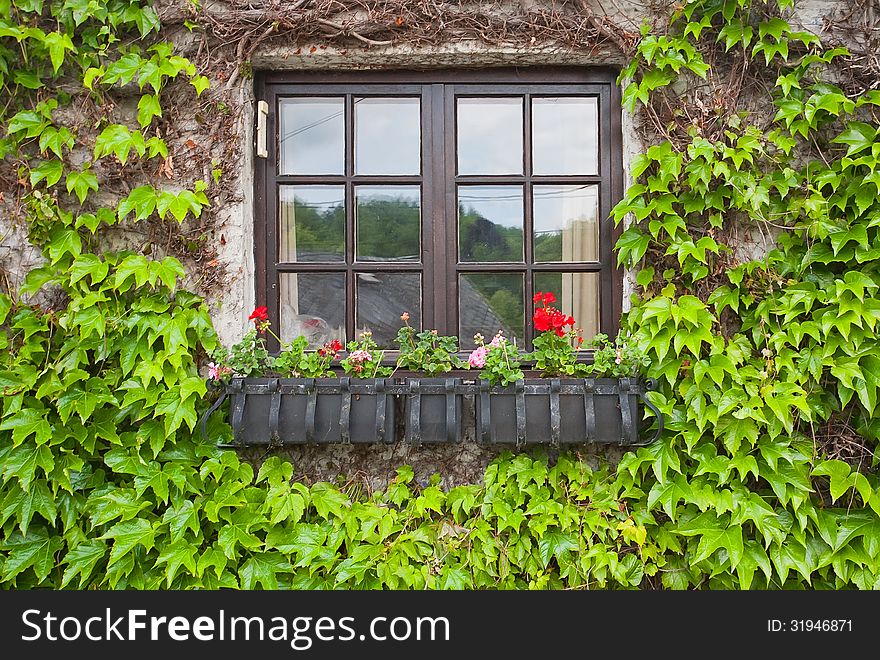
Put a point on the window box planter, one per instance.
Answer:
(563, 411)
(281, 411)
(433, 410)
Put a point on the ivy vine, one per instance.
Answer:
(768, 359)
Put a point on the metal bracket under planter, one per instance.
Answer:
(280, 411)
(564, 411)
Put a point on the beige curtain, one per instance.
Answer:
(580, 242)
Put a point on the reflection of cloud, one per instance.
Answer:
(490, 136)
(312, 136)
(501, 205)
(388, 135)
(565, 135)
(558, 207)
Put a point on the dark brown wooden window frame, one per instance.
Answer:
(439, 266)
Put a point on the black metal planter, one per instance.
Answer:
(280, 411)
(433, 410)
(286, 411)
(563, 412)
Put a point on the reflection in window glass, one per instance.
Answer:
(577, 295)
(490, 223)
(382, 298)
(566, 223)
(388, 221)
(490, 136)
(312, 136)
(312, 223)
(565, 136)
(489, 302)
(313, 305)
(387, 136)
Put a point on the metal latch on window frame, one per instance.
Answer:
(262, 138)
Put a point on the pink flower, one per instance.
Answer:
(217, 371)
(619, 357)
(360, 356)
(497, 340)
(477, 358)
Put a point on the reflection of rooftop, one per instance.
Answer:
(382, 297)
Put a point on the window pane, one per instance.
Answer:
(566, 223)
(312, 136)
(312, 223)
(388, 223)
(490, 223)
(565, 136)
(382, 298)
(387, 136)
(489, 302)
(313, 305)
(577, 295)
(490, 136)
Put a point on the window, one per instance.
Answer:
(452, 196)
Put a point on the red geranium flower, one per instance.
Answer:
(260, 313)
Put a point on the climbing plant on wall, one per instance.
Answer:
(767, 356)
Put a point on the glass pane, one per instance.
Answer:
(489, 302)
(313, 305)
(490, 223)
(312, 223)
(387, 136)
(577, 295)
(566, 223)
(565, 136)
(490, 136)
(312, 136)
(382, 298)
(388, 223)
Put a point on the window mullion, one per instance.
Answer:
(437, 183)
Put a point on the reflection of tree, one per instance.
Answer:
(319, 229)
(548, 246)
(483, 240)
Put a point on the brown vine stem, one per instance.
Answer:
(343, 31)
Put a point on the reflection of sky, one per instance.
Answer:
(556, 207)
(312, 136)
(490, 136)
(320, 198)
(502, 205)
(565, 136)
(387, 136)
(408, 195)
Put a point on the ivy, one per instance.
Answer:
(761, 359)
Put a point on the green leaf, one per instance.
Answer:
(58, 44)
(36, 550)
(858, 136)
(127, 535)
(81, 183)
(27, 422)
(261, 568)
(82, 560)
(554, 543)
(50, 170)
(177, 554)
(148, 107)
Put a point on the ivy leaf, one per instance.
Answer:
(117, 139)
(201, 83)
(23, 461)
(858, 136)
(181, 517)
(177, 554)
(327, 500)
(50, 170)
(176, 410)
(81, 183)
(82, 560)
(36, 550)
(261, 568)
(58, 44)
(28, 421)
(555, 543)
(127, 535)
(148, 107)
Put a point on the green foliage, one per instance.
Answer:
(364, 359)
(104, 484)
(426, 351)
(499, 361)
